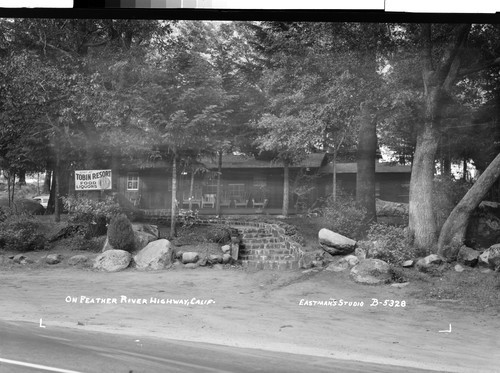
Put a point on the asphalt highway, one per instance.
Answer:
(27, 347)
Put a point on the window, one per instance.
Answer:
(236, 191)
(132, 181)
(210, 187)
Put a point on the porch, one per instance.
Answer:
(207, 211)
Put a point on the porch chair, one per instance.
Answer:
(208, 199)
(242, 202)
(261, 205)
(192, 199)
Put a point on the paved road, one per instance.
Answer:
(26, 347)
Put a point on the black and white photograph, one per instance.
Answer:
(235, 193)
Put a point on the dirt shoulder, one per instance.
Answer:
(264, 309)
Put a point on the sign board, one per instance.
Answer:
(92, 179)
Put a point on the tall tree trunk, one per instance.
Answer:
(367, 153)
(422, 223)
(22, 178)
(173, 232)
(219, 173)
(57, 200)
(191, 191)
(286, 188)
(46, 182)
(13, 187)
(334, 171)
(454, 229)
(464, 170)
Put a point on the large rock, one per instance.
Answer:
(492, 257)
(424, 264)
(23, 205)
(113, 260)
(337, 266)
(78, 260)
(53, 258)
(371, 272)
(484, 228)
(156, 255)
(214, 259)
(468, 256)
(190, 257)
(334, 243)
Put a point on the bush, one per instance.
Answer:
(344, 216)
(220, 234)
(394, 242)
(93, 214)
(120, 233)
(20, 233)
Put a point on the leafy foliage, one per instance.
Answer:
(19, 232)
(393, 242)
(344, 216)
(220, 234)
(121, 234)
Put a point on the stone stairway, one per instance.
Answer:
(261, 249)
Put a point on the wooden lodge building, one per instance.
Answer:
(249, 185)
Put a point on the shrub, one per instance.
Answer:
(19, 233)
(220, 234)
(344, 216)
(394, 242)
(93, 214)
(121, 234)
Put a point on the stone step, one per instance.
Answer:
(267, 257)
(263, 239)
(280, 265)
(266, 252)
(269, 246)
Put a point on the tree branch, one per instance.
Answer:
(474, 69)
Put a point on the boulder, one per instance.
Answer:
(203, 261)
(19, 259)
(53, 258)
(337, 266)
(226, 249)
(334, 243)
(482, 260)
(156, 255)
(317, 263)
(190, 257)
(424, 264)
(307, 260)
(226, 258)
(214, 259)
(191, 265)
(492, 255)
(360, 253)
(459, 268)
(23, 205)
(78, 259)
(113, 260)
(408, 263)
(351, 260)
(371, 272)
(484, 228)
(468, 256)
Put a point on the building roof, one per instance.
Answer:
(352, 168)
(314, 160)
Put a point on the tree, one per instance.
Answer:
(444, 63)
(453, 232)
